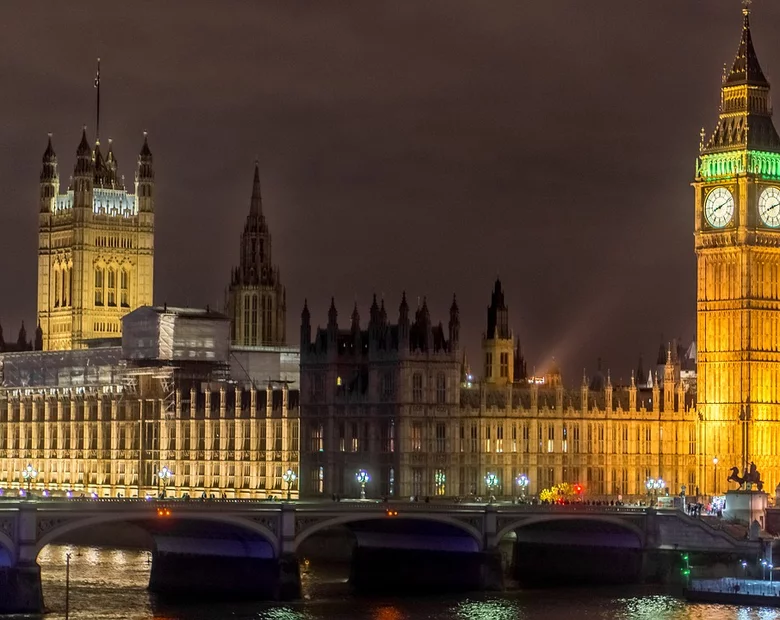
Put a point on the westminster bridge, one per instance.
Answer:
(242, 548)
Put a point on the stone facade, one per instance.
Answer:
(95, 247)
(390, 400)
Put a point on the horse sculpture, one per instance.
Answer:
(750, 477)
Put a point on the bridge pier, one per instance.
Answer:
(20, 590)
(220, 577)
(392, 570)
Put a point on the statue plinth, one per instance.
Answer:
(745, 507)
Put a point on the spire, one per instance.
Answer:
(85, 167)
(305, 316)
(403, 309)
(256, 205)
(84, 148)
(332, 313)
(146, 153)
(745, 112)
(49, 167)
(49, 155)
(746, 68)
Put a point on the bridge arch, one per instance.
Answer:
(598, 518)
(473, 532)
(76, 523)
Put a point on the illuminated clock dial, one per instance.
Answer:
(719, 207)
(769, 207)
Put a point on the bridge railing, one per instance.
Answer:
(340, 506)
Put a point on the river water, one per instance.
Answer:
(111, 585)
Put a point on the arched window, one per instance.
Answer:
(124, 284)
(99, 286)
(57, 292)
(441, 388)
(417, 388)
(64, 285)
(254, 321)
(246, 320)
(111, 286)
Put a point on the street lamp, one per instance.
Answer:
(29, 474)
(744, 569)
(770, 567)
(289, 477)
(163, 478)
(440, 478)
(491, 482)
(715, 475)
(522, 482)
(362, 478)
(654, 485)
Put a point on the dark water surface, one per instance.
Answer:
(111, 585)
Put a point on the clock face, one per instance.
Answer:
(769, 207)
(719, 207)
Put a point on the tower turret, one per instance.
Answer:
(256, 282)
(305, 326)
(403, 324)
(144, 178)
(454, 325)
(50, 179)
(497, 343)
(83, 174)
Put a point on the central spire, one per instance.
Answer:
(256, 205)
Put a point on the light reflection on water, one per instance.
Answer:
(111, 585)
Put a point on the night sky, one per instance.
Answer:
(418, 146)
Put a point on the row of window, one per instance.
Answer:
(114, 242)
(503, 367)
(63, 286)
(387, 387)
(107, 293)
(252, 335)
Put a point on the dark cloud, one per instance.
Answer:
(425, 146)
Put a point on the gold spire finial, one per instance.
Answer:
(746, 6)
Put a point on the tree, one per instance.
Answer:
(558, 493)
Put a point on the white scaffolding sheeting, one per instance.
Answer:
(176, 334)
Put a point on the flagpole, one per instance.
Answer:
(97, 87)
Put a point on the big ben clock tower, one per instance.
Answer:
(737, 236)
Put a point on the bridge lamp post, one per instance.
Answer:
(522, 482)
(362, 478)
(764, 564)
(289, 477)
(491, 482)
(29, 474)
(163, 477)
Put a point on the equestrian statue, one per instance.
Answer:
(750, 477)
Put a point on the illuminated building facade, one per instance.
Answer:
(256, 299)
(106, 420)
(737, 240)
(95, 246)
(390, 400)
